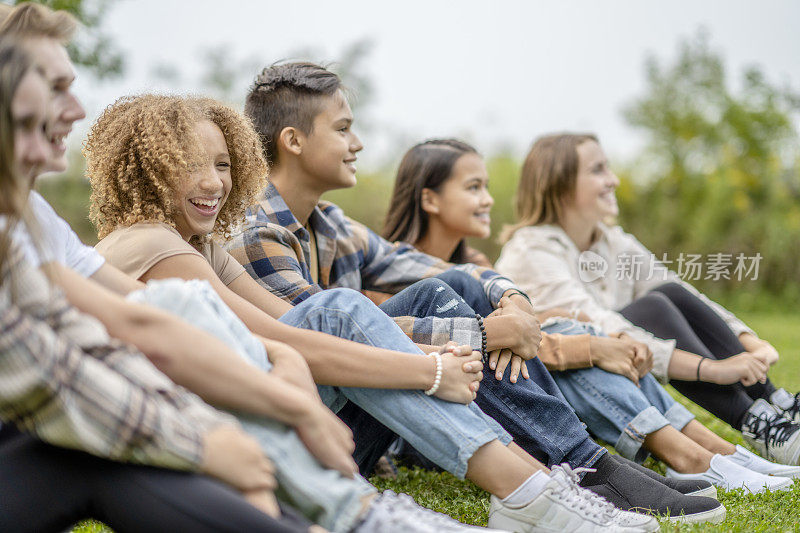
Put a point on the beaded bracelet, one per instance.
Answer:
(438, 379)
(479, 318)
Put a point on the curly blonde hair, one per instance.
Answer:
(141, 147)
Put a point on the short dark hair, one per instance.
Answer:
(285, 95)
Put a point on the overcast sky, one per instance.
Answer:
(497, 73)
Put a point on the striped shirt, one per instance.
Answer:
(65, 380)
(274, 248)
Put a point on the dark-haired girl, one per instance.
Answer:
(441, 197)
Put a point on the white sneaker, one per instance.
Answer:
(563, 505)
(399, 513)
(775, 437)
(787, 405)
(728, 475)
(746, 458)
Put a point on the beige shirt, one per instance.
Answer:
(616, 270)
(136, 249)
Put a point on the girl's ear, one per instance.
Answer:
(290, 140)
(430, 201)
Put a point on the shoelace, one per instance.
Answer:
(791, 412)
(583, 499)
(772, 429)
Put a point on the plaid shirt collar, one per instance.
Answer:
(273, 209)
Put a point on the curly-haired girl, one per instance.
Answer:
(142, 149)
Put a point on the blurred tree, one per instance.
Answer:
(92, 48)
(721, 168)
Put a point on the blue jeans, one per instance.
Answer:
(611, 405)
(322, 495)
(533, 411)
(446, 433)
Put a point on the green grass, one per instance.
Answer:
(746, 513)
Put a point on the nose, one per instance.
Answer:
(355, 144)
(487, 199)
(73, 110)
(614, 180)
(210, 181)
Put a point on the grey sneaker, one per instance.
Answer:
(775, 437)
(565, 506)
(788, 406)
(399, 513)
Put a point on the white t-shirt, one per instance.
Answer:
(57, 241)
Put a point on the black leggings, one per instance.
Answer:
(672, 312)
(45, 488)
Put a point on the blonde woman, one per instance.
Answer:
(564, 197)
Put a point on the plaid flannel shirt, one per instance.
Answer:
(274, 248)
(63, 379)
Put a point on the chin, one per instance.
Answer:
(58, 165)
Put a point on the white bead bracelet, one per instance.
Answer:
(438, 379)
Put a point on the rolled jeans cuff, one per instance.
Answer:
(678, 416)
(629, 444)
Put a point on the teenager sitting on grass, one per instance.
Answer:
(298, 246)
(440, 198)
(565, 193)
(197, 360)
(172, 172)
(71, 389)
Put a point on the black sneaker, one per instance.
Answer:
(687, 487)
(630, 490)
(775, 437)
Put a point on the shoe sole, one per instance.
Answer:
(708, 492)
(712, 516)
(776, 488)
(793, 473)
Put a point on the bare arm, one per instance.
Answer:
(190, 357)
(745, 367)
(333, 361)
(115, 280)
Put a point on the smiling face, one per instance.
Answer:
(65, 109)
(29, 108)
(463, 202)
(328, 153)
(593, 199)
(200, 195)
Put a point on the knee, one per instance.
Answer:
(671, 290)
(658, 305)
(339, 297)
(460, 281)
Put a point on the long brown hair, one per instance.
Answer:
(548, 177)
(425, 166)
(15, 64)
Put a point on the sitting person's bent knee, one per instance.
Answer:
(459, 280)
(672, 290)
(656, 305)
